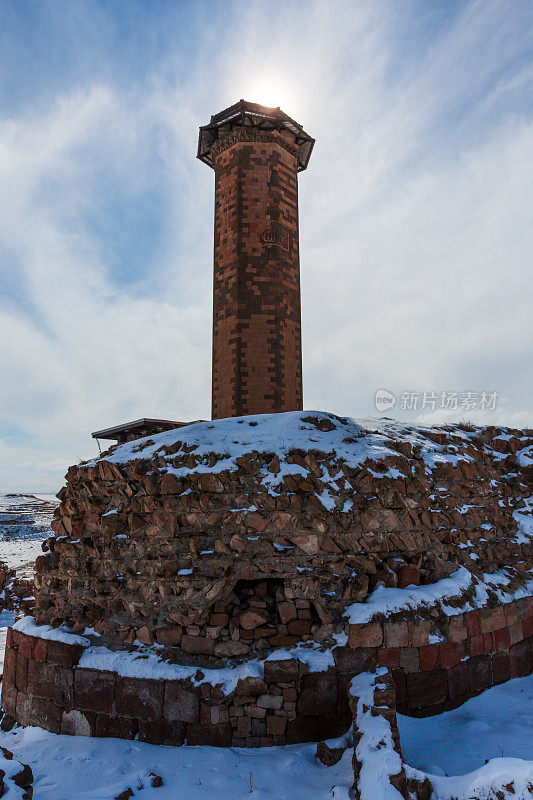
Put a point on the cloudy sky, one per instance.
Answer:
(416, 212)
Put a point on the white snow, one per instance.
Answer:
(524, 519)
(146, 662)
(387, 600)
(61, 634)
(498, 723)
(84, 768)
(375, 750)
(353, 440)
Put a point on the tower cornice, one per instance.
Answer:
(254, 122)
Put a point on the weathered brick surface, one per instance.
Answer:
(257, 359)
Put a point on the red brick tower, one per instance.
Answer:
(256, 153)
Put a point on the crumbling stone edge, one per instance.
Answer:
(377, 761)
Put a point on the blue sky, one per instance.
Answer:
(416, 210)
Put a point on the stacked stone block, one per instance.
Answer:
(43, 684)
(227, 564)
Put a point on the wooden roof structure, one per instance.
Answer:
(252, 115)
(137, 429)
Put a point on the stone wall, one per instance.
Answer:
(377, 758)
(214, 545)
(220, 556)
(44, 685)
(478, 649)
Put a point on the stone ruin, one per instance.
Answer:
(217, 542)
(260, 580)
(224, 582)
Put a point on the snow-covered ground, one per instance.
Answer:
(497, 725)
(24, 524)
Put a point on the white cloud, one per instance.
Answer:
(416, 225)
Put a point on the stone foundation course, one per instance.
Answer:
(46, 683)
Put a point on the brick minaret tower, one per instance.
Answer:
(256, 153)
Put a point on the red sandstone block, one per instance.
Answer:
(139, 697)
(213, 735)
(283, 671)
(409, 659)
(389, 657)
(457, 631)
(502, 640)
(299, 627)
(498, 618)
(476, 645)
(9, 698)
(21, 673)
(38, 711)
(10, 666)
(427, 689)
(315, 728)
(51, 682)
(318, 694)
(94, 690)
(400, 684)
(396, 634)
(111, 726)
(511, 613)
(527, 627)
(459, 681)
(501, 667)
(428, 656)
(488, 640)
(9, 638)
(487, 620)
(40, 650)
(418, 633)
(197, 645)
(516, 632)
(66, 655)
(180, 704)
(276, 725)
(469, 677)
(472, 623)
(520, 656)
(521, 609)
(364, 659)
(370, 635)
(450, 653)
(24, 644)
(159, 732)
(408, 576)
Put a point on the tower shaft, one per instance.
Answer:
(257, 349)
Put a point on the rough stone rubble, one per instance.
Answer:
(230, 539)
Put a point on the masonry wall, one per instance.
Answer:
(43, 684)
(257, 358)
(235, 563)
